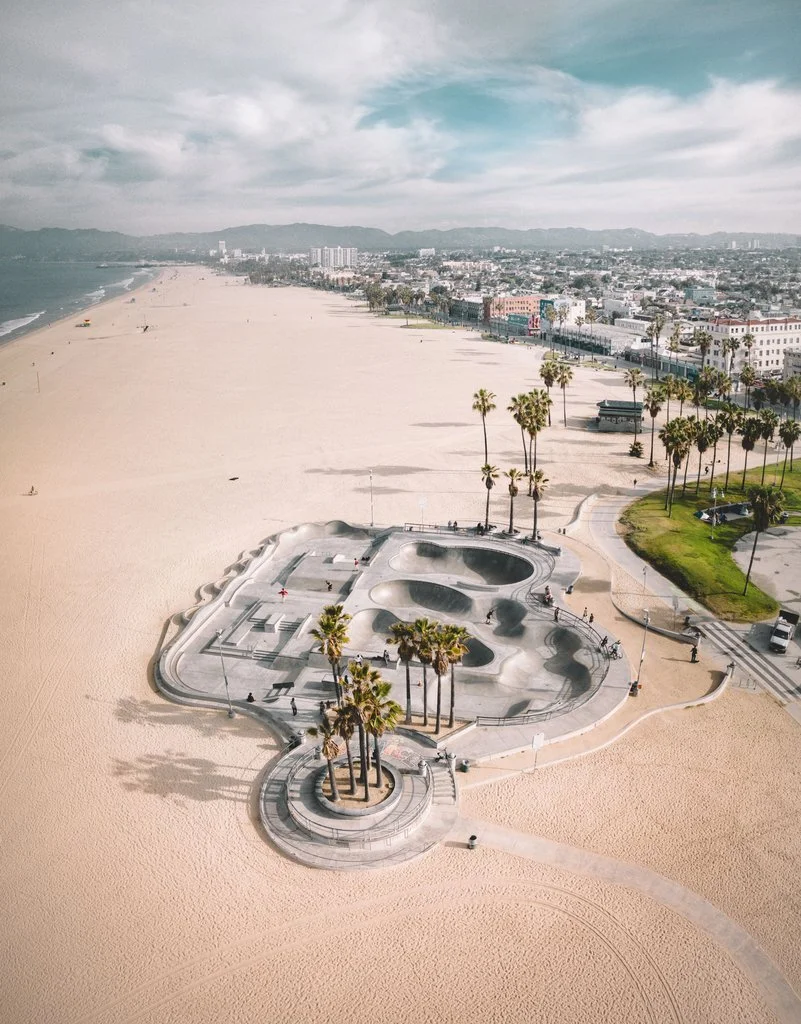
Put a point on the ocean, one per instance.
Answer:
(33, 294)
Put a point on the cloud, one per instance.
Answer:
(398, 114)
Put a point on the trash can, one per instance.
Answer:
(464, 766)
(471, 842)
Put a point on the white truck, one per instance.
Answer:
(783, 631)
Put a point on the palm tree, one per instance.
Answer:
(768, 421)
(722, 388)
(345, 724)
(564, 375)
(332, 634)
(403, 636)
(674, 437)
(363, 678)
(751, 431)
(456, 638)
(734, 344)
(489, 474)
(705, 384)
(653, 403)
(692, 424)
(548, 371)
(383, 714)
(539, 403)
(518, 407)
(684, 393)
(440, 664)
(703, 339)
(748, 377)
(483, 403)
(669, 383)
(729, 419)
(703, 440)
(715, 432)
(514, 475)
(330, 750)
(550, 316)
(423, 631)
(789, 432)
(539, 484)
(634, 379)
(674, 345)
(591, 317)
(749, 341)
(767, 506)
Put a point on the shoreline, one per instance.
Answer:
(31, 329)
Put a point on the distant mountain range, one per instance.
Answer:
(60, 243)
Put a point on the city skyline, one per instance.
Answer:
(597, 113)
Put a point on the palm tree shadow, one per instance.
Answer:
(173, 774)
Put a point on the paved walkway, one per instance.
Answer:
(750, 957)
(730, 640)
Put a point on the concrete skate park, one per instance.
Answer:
(532, 674)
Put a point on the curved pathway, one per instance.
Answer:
(750, 957)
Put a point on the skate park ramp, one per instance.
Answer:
(479, 564)
(478, 654)
(368, 630)
(433, 597)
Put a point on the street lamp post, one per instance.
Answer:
(642, 651)
(225, 674)
(372, 523)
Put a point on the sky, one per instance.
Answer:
(150, 116)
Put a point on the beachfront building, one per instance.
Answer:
(772, 338)
(792, 364)
(622, 417)
(333, 257)
(503, 305)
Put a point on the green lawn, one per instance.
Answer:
(682, 547)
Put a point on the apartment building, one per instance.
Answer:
(772, 338)
(333, 257)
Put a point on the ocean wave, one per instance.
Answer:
(14, 325)
(96, 296)
(126, 284)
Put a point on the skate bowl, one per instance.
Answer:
(434, 597)
(481, 564)
(478, 654)
(369, 629)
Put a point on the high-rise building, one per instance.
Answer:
(333, 257)
(221, 248)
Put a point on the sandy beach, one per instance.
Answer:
(135, 882)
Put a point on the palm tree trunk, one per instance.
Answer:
(351, 773)
(745, 467)
(332, 780)
(531, 462)
(337, 687)
(653, 428)
(764, 463)
(439, 705)
(536, 509)
(728, 460)
(784, 467)
(408, 694)
(673, 488)
(751, 562)
(486, 516)
(712, 467)
(362, 753)
(547, 388)
(425, 696)
(484, 425)
(684, 481)
(634, 400)
(667, 489)
(698, 477)
(525, 454)
(451, 713)
(379, 778)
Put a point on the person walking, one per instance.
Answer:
(591, 618)
(294, 707)
(556, 615)
(585, 613)
(694, 654)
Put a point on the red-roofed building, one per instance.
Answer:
(771, 339)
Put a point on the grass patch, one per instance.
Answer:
(682, 548)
